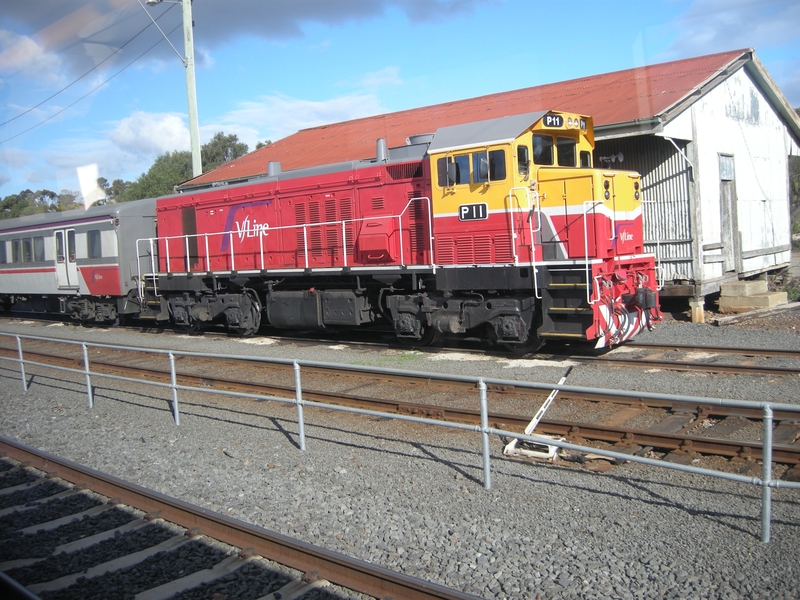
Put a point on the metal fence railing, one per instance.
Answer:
(766, 482)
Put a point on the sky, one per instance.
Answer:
(92, 87)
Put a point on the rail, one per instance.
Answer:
(766, 482)
(148, 248)
(351, 573)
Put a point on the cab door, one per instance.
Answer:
(66, 260)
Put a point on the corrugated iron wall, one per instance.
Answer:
(665, 183)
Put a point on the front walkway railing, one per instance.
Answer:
(766, 482)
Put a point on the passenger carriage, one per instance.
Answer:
(79, 262)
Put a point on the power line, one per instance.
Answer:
(81, 77)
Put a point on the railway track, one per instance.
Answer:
(677, 429)
(671, 357)
(72, 532)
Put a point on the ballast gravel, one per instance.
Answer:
(412, 498)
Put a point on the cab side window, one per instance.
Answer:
(523, 160)
(453, 170)
(488, 166)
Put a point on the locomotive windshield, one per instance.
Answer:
(563, 152)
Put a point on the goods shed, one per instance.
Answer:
(711, 136)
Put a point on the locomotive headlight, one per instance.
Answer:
(569, 122)
(607, 194)
(636, 195)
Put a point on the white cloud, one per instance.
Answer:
(22, 54)
(277, 116)
(151, 134)
(386, 76)
(710, 26)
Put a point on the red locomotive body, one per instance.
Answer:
(500, 229)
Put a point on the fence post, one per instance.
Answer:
(22, 365)
(298, 392)
(86, 371)
(174, 386)
(487, 472)
(766, 474)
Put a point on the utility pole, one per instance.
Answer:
(188, 63)
(191, 88)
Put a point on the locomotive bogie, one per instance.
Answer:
(507, 319)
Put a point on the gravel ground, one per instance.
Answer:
(396, 495)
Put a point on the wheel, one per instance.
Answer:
(252, 322)
(428, 337)
(532, 344)
(191, 328)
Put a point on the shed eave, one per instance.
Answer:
(628, 129)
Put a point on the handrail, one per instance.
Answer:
(261, 232)
(586, 264)
(765, 481)
(531, 230)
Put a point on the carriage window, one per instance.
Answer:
(488, 168)
(566, 152)
(94, 243)
(3, 257)
(542, 150)
(59, 247)
(71, 255)
(16, 251)
(27, 250)
(38, 249)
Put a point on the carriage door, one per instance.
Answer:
(66, 264)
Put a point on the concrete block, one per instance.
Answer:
(765, 300)
(744, 288)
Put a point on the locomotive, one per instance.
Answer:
(501, 229)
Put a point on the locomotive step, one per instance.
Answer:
(560, 334)
(576, 310)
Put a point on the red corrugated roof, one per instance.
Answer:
(612, 98)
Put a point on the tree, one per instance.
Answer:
(174, 168)
(167, 171)
(114, 191)
(221, 149)
(68, 200)
(28, 202)
(260, 145)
